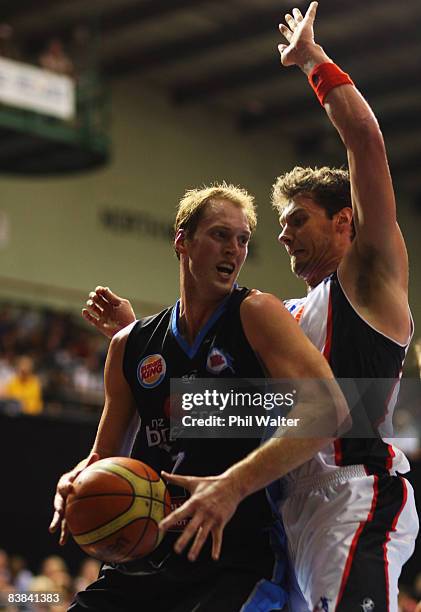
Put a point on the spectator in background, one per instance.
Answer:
(406, 434)
(4, 566)
(406, 603)
(6, 370)
(6, 585)
(54, 578)
(417, 352)
(54, 567)
(55, 58)
(25, 386)
(88, 380)
(83, 51)
(88, 573)
(21, 576)
(65, 352)
(417, 586)
(8, 46)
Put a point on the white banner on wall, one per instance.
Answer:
(32, 88)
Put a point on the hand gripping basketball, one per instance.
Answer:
(63, 488)
(114, 508)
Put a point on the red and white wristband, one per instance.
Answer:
(325, 77)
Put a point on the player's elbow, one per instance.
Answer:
(365, 134)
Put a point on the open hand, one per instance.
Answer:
(107, 311)
(213, 502)
(299, 34)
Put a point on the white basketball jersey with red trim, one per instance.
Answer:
(354, 350)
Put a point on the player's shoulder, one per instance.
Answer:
(150, 321)
(259, 305)
(257, 301)
(118, 341)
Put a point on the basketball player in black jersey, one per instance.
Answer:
(340, 230)
(252, 333)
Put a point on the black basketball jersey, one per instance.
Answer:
(354, 349)
(156, 352)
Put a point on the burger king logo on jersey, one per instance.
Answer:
(151, 371)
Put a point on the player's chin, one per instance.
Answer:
(298, 267)
(224, 285)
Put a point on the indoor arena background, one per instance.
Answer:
(169, 95)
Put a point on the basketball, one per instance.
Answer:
(114, 509)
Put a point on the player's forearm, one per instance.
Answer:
(319, 417)
(353, 119)
(345, 106)
(271, 461)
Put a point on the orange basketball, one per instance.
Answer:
(114, 509)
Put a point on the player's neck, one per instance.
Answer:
(325, 262)
(315, 279)
(194, 313)
(321, 271)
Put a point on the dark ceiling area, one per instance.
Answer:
(223, 54)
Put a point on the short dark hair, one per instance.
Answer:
(329, 187)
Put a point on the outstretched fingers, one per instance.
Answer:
(64, 532)
(201, 537)
(311, 12)
(108, 295)
(191, 530)
(285, 31)
(297, 15)
(296, 18)
(298, 31)
(217, 535)
(290, 21)
(90, 318)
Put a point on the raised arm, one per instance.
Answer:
(378, 252)
(286, 353)
(116, 430)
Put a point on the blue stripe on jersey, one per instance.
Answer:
(184, 345)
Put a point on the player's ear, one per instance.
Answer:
(179, 241)
(344, 219)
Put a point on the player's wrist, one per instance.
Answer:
(327, 76)
(312, 55)
(238, 481)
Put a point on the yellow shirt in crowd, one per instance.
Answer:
(27, 392)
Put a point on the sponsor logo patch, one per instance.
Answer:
(151, 371)
(217, 361)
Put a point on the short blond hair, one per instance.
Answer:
(329, 187)
(192, 204)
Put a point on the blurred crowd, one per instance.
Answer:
(49, 362)
(53, 576)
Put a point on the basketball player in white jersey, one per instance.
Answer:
(349, 516)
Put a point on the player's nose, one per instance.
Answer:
(285, 237)
(232, 246)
